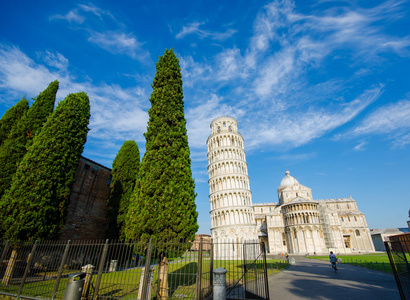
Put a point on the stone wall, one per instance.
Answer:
(86, 216)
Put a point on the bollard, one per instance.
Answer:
(219, 284)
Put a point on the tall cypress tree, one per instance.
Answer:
(15, 146)
(35, 205)
(11, 118)
(124, 177)
(164, 205)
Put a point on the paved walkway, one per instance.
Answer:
(315, 279)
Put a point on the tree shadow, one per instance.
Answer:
(180, 279)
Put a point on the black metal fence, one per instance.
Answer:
(399, 256)
(132, 270)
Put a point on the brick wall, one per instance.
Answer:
(87, 209)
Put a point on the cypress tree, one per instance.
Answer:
(163, 205)
(15, 146)
(124, 176)
(11, 118)
(35, 205)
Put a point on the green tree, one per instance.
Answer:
(11, 118)
(164, 203)
(124, 176)
(35, 205)
(21, 136)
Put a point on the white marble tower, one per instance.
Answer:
(232, 217)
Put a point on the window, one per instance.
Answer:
(87, 167)
(341, 219)
(357, 232)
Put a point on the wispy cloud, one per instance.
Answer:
(293, 130)
(55, 60)
(193, 28)
(271, 73)
(114, 40)
(73, 16)
(360, 146)
(117, 113)
(392, 120)
(119, 43)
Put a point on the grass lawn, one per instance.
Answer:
(374, 261)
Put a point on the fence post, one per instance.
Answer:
(265, 270)
(147, 271)
(220, 284)
(30, 259)
(211, 265)
(8, 274)
(199, 272)
(3, 254)
(100, 270)
(88, 269)
(244, 265)
(60, 270)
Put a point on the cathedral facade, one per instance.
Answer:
(295, 224)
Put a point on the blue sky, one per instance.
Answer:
(321, 89)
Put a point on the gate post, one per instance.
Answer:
(30, 259)
(265, 270)
(199, 272)
(100, 270)
(219, 284)
(60, 270)
(145, 282)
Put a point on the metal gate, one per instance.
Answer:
(253, 282)
(398, 253)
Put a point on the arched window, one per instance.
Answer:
(357, 232)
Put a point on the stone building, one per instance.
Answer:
(295, 224)
(86, 214)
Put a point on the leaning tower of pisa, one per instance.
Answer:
(232, 219)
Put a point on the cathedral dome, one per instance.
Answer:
(288, 180)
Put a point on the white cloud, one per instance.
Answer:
(386, 119)
(392, 121)
(119, 43)
(193, 28)
(56, 60)
(117, 113)
(360, 146)
(295, 129)
(20, 75)
(95, 10)
(73, 16)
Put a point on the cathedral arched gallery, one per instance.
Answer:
(296, 224)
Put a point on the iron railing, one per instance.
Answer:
(131, 270)
(399, 256)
